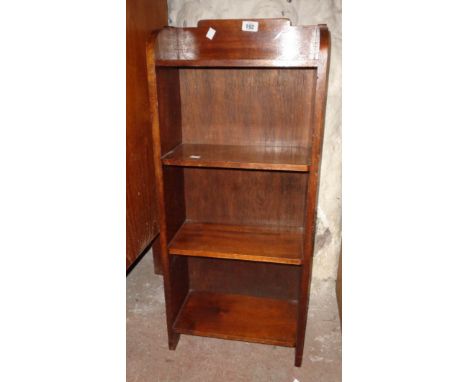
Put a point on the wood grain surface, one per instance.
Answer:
(240, 157)
(245, 197)
(253, 243)
(263, 107)
(277, 281)
(250, 107)
(143, 16)
(276, 43)
(320, 102)
(238, 317)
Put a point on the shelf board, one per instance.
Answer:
(238, 63)
(252, 243)
(237, 317)
(241, 157)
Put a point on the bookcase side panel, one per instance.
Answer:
(166, 132)
(169, 105)
(318, 124)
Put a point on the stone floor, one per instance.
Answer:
(208, 359)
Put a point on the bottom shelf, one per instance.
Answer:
(238, 317)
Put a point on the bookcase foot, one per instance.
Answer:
(298, 359)
(173, 340)
(157, 256)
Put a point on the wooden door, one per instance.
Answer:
(143, 16)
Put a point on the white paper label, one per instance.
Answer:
(250, 26)
(210, 34)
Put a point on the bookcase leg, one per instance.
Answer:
(302, 310)
(300, 339)
(158, 270)
(176, 290)
(298, 357)
(173, 338)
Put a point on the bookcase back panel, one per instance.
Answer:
(228, 196)
(170, 131)
(244, 277)
(174, 201)
(178, 284)
(239, 106)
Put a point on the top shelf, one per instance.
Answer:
(240, 157)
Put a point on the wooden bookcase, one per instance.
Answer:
(237, 130)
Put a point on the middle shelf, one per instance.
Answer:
(282, 245)
(240, 157)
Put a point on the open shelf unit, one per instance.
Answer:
(237, 134)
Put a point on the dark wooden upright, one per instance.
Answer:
(238, 127)
(143, 16)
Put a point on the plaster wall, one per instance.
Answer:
(186, 13)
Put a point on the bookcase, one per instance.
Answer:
(238, 111)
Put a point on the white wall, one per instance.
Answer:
(300, 12)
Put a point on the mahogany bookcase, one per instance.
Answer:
(237, 120)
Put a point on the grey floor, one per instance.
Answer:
(208, 359)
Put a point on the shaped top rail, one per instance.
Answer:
(240, 43)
